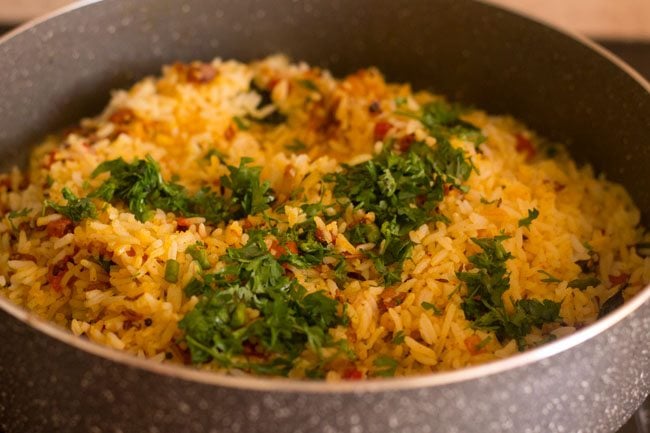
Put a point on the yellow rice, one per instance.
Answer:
(177, 122)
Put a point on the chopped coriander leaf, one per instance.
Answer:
(398, 337)
(486, 201)
(456, 290)
(532, 214)
(590, 265)
(104, 263)
(483, 343)
(250, 196)
(141, 187)
(195, 287)
(19, 213)
(549, 278)
(432, 307)
(215, 152)
(484, 305)
(296, 146)
(172, 268)
(309, 84)
(613, 302)
(363, 233)
(643, 249)
(76, 208)
(403, 190)
(386, 366)
(345, 319)
(241, 124)
(443, 121)
(275, 117)
(288, 318)
(400, 100)
(584, 283)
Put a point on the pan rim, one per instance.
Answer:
(264, 384)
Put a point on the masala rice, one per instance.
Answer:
(193, 108)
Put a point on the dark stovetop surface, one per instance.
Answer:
(637, 55)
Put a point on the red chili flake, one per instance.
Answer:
(276, 249)
(320, 235)
(201, 73)
(390, 298)
(618, 279)
(352, 374)
(472, 343)
(273, 83)
(229, 133)
(381, 129)
(251, 350)
(76, 129)
(122, 116)
(420, 199)
(182, 223)
(405, 142)
(525, 146)
(49, 159)
(57, 272)
(59, 227)
(132, 315)
(246, 224)
(558, 186)
(21, 256)
(292, 246)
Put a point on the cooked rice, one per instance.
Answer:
(177, 121)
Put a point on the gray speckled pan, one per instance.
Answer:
(55, 70)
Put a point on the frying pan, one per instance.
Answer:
(59, 68)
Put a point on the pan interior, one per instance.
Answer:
(64, 68)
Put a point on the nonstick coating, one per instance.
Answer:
(64, 67)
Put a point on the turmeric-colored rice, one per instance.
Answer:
(197, 118)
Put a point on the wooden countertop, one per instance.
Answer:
(599, 19)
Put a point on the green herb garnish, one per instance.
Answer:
(296, 146)
(172, 268)
(643, 249)
(276, 117)
(532, 214)
(76, 208)
(141, 187)
(399, 336)
(403, 191)
(241, 124)
(309, 84)
(432, 307)
(549, 278)
(443, 121)
(386, 366)
(290, 319)
(484, 304)
(613, 302)
(484, 342)
(199, 254)
(584, 283)
(104, 263)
